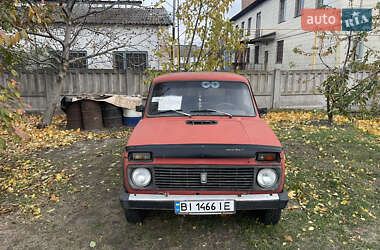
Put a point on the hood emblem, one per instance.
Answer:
(234, 149)
(203, 178)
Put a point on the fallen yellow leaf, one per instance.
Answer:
(288, 238)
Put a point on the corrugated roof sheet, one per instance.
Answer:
(125, 16)
(131, 16)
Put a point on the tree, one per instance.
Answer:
(209, 37)
(13, 31)
(76, 25)
(343, 88)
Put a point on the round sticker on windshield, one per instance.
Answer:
(206, 85)
(215, 85)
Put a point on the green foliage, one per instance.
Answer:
(346, 87)
(209, 37)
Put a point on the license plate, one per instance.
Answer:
(205, 207)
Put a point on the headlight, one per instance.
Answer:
(267, 177)
(141, 177)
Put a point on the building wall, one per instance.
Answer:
(294, 37)
(137, 39)
(129, 38)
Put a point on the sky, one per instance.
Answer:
(235, 8)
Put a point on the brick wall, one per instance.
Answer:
(245, 3)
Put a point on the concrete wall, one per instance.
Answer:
(280, 89)
(37, 87)
(295, 89)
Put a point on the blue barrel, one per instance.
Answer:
(131, 117)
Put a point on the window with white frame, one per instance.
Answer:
(242, 28)
(131, 60)
(257, 54)
(299, 7)
(249, 26)
(118, 60)
(280, 52)
(247, 55)
(79, 64)
(282, 13)
(258, 25)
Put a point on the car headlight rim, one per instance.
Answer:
(267, 177)
(141, 177)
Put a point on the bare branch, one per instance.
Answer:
(203, 42)
(347, 53)
(70, 5)
(194, 32)
(45, 61)
(52, 36)
(90, 13)
(96, 54)
(323, 61)
(39, 34)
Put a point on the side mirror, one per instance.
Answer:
(263, 111)
(140, 108)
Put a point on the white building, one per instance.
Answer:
(133, 29)
(273, 30)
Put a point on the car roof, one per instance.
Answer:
(200, 76)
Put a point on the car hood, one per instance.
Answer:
(176, 131)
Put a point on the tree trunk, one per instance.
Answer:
(375, 103)
(192, 38)
(47, 116)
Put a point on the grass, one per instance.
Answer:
(332, 180)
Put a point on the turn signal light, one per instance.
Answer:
(140, 156)
(267, 157)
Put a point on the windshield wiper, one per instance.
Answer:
(211, 110)
(173, 110)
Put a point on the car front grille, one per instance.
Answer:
(218, 177)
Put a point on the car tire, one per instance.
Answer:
(133, 216)
(270, 216)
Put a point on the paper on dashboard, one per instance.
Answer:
(169, 103)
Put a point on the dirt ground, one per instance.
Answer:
(94, 213)
(88, 214)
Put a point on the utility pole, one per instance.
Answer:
(173, 45)
(179, 43)
(315, 50)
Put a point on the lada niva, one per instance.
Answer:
(202, 148)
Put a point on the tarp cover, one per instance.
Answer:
(122, 101)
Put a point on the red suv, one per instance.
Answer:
(202, 148)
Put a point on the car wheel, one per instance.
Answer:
(270, 216)
(134, 216)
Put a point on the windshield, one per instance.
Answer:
(201, 98)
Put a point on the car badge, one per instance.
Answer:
(203, 178)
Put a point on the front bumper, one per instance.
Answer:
(242, 202)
